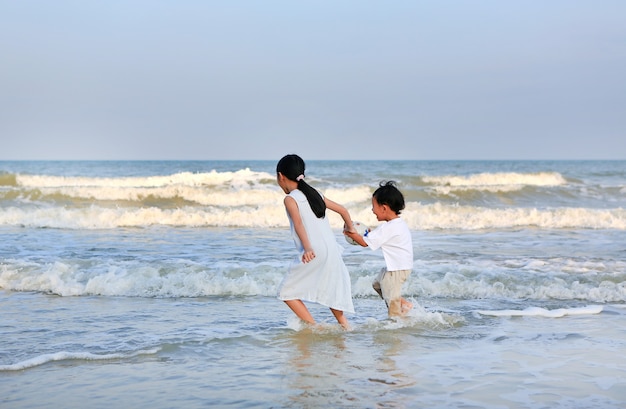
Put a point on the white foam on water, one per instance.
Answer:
(247, 198)
(543, 312)
(72, 356)
(272, 214)
(498, 181)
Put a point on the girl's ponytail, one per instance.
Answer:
(292, 167)
(315, 199)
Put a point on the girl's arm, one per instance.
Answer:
(342, 211)
(294, 213)
(348, 227)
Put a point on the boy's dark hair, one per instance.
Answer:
(292, 166)
(388, 194)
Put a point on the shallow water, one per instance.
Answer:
(140, 285)
(240, 352)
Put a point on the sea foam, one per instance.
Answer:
(499, 179)
(268, 215)
(72, 356)
(246, 198)
(543, 312)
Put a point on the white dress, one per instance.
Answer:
(324, 280)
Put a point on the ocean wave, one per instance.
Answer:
(246, 198)
(159, 196)
(71, 356)
(245, 187)
(543, 312)
(553, 280)
(170, 196)
(419, 217)
(96, 217)
(498, 180)
(227, 189)
(137, 279)
(440, 216)
(240, 178)
(8, 179)
(247, 177)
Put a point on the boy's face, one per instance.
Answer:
(381, 211)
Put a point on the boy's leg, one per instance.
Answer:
(376, 283)
(395, 308)
(298, 307)
(391, 286)
(376, 287)
(406, 306)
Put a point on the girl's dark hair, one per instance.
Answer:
(388, 194)
(292, 166)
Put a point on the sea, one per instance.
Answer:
(152, 284)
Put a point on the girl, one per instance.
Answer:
(319, 273)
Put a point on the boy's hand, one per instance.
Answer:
(354, 235)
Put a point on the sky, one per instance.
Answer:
(206, 80)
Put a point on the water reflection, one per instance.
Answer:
(338, 369)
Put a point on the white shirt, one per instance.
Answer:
(394, 238)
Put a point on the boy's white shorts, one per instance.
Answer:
(389, 284)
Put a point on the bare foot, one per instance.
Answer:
(406, 306)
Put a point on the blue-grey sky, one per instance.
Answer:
(193, 79)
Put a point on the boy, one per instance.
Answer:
(394, 238)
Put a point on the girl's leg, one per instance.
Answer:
(298, 307)
(341, 319)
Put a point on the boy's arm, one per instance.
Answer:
(348, 227)
(356, 237)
